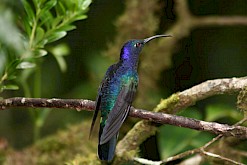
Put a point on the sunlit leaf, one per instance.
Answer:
(84, 4)
(80, 17)
(56, 36)
(26, 65)
(40, 53)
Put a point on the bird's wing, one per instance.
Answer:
(98, 99)
(119, 112)
(97, 107)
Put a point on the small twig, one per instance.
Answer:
(220, 157)
(219, 21)
(147, 162)
(182, 155)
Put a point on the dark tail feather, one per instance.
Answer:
(106, 151)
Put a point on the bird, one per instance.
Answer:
(116, 94)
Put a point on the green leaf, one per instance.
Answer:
(192, 112)
(201, 139)
(57, 21)
(84, 4)
(60, 9)
(60, 50)
(56, 36)
(47, 6)
(35, 2)
(2, 61)
(67, 28)
(39, 34)
(11, 77)
(216, 112)
(10, 87)
(25, 65)
(80, 17)
(61, 63)
(42, 116)
(11, 68)
(29, 11)
(27, 26)
(173, 140)
(40, 53)
(46, 19)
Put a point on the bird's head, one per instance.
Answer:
(132, 48)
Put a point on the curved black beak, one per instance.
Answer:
(156, 36)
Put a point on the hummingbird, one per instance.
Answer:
(116, 94)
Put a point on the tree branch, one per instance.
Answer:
(204, 90)
(183, 100)
(77, 104)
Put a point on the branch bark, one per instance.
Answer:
(79, 104)
(172, 104)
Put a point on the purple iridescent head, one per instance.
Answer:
(132, 48)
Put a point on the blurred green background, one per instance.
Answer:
(207, 53)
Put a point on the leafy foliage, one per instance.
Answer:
(42, 22)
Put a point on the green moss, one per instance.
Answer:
(167, 104)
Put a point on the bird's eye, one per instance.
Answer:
(138, 44)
